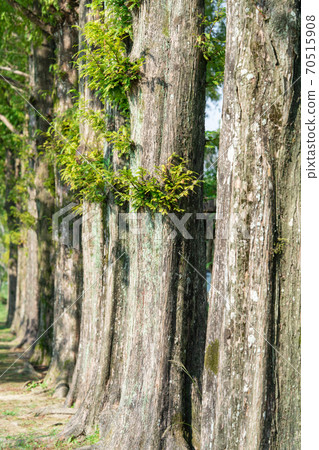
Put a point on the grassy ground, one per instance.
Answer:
(20, 428)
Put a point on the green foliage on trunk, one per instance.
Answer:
(163, 192)
(104, 58)
(90, 176)
(110, 73)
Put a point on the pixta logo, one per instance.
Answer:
(70, 225)
(144, 224)
(67, 224)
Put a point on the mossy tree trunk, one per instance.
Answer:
(37, 276)
(101, 270)
(160, 317)
(12, 283)
(251, 392)
(68, 270)
(11, 172)
(28, 288)
(42, 80)
(20, 293)
(92, 243)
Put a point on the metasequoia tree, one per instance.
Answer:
(39, 279)
(34, 294)
(11, 171)
(159, 321)
(35, 279)
(101, 261)
(14, 80)
(251, 392)
(41, 82)
(67, 270)
(147, 317)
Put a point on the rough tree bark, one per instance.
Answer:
(251, 392)
(37, 276)
(160, 317)
(92, 245)
(26, 324)
(101, 266)
(104, 269)
(41, 81)
(20, 294)
(12, 282)
(11, 169)
(67, 272)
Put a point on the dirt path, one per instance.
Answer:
(20, 428)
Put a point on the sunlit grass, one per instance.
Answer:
(33, 440)
(9, 413)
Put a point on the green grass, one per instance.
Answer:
(9, 413)
(34, 440)
(23, 441)
(75, 443)
(35, 384)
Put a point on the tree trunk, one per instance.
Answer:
(160, 316)
(68, 270)
(39, 251)
(252, 353)
(11, 169)
(41, 81)
(21, 288)
(27, 327)
(101, 266)
(12, 283)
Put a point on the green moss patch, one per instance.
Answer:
(212, 357)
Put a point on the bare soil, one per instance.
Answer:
(22, 394)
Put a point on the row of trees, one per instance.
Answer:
(103, 103)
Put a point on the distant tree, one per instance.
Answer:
(68, 260)
(13, 82)
(46, 281)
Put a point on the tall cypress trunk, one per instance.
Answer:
(12, 283)
(37, 276)
(25, 322)
(20, 294)
(103, 275)
(28, 279)
(101, 264)
(68, 273)
(92, 244)
(159, 320)
(42, 81)
(252, 353)
(11, 171)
